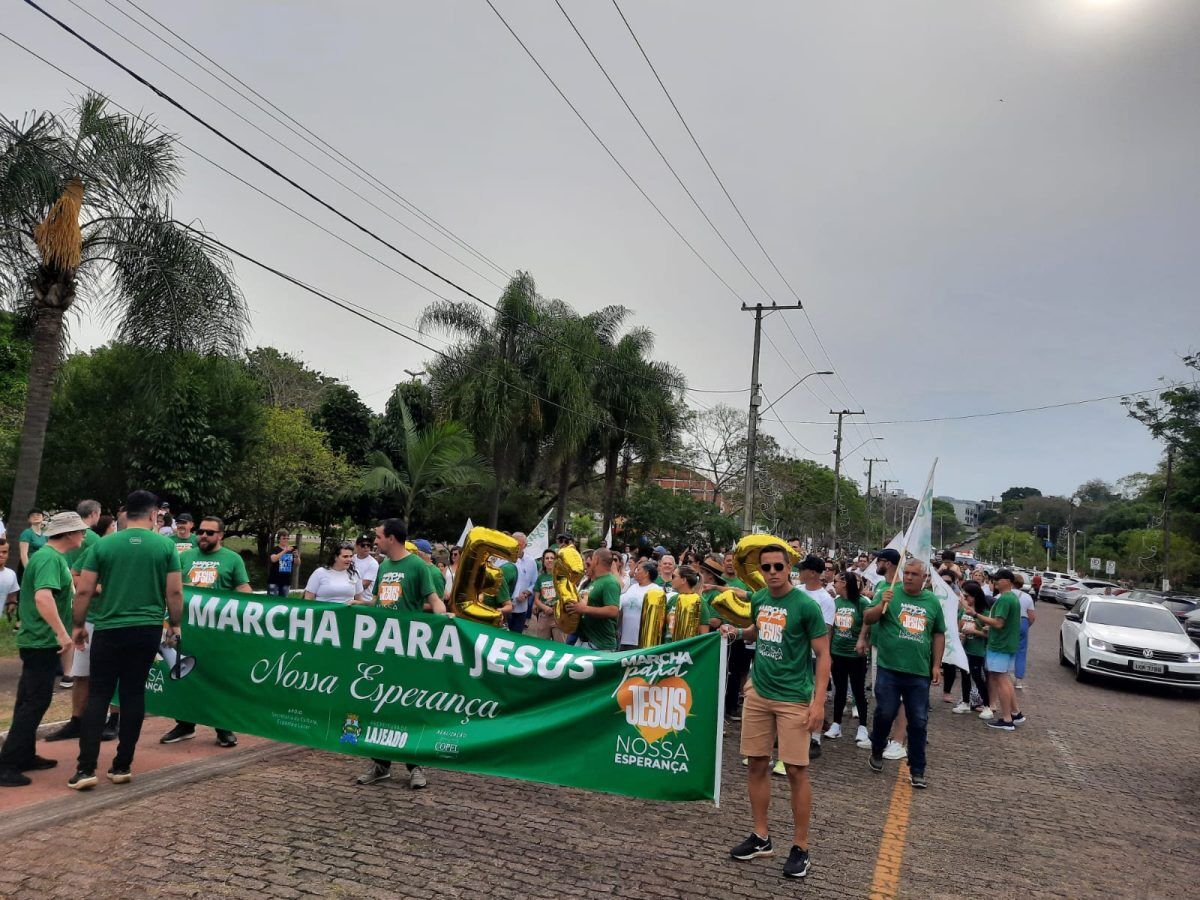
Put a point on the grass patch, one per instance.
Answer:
(8, 637)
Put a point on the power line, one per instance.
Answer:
(323, 203)
(611, 155)
(795, 440)
(658, 150)
(304, 132)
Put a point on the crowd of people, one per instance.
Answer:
(99, 596)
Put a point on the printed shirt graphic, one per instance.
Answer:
(601, 633)
(905, 633)
(974, 644)
(1008, 638)
(403, 583)
(183, 545)
(46, 571)
(132, 566)
(847, 622)
(786, 627)
(222, 570)
(544, 588)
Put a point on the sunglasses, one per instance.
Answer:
(773, 567)
(207, 532)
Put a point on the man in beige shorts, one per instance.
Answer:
(785, 702)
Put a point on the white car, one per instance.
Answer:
(1127, 639)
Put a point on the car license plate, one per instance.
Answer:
(1156, 668)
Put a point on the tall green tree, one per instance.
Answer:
(347, 420)
(85, 220)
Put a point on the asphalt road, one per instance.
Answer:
(1096, 796)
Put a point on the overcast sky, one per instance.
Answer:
(983, 206)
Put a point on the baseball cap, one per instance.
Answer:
(889, 554)
(423, 545)
(184, 517)
(64, 523)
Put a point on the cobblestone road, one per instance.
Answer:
(1096, 797)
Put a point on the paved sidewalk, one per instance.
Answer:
(1095, 797)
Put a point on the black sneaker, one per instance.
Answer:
(1001, 725)
(797, 864)
(111, 727)
(82, 781)
(226, 738)
(39, 764)
(876, 762)
(814, 749)
(178, 733)
(374, 774)
(120, 774)
(12, 778)
(1018, 718)
(917, 780)
(753, 847)
(68, 732)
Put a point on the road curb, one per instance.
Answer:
(55, 812)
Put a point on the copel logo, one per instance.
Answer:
(656, 710)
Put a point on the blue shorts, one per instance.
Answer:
(1000, 662)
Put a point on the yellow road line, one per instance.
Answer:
(886, 880)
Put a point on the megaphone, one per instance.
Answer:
(179, 664)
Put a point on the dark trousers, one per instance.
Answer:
(979, 676)
(740, 657)
(120, 659)
(891, 689)
(39, 669)
(517, 622)
(850, 670)
(387, 764)
(278, 590)
(950, 675)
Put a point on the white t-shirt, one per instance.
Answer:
(1026, 603)
(367, 569)
(8, 584)
(332, 586)
(631, 611)
(825, 601)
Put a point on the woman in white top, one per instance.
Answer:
(337, 582)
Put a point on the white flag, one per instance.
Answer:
(608, 539)
(918, 544)
(538, 541)
(466, 530)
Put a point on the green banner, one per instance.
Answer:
(450, 693)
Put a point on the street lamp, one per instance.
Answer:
(792, 388)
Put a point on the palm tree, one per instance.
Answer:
(435, 460)
(85, 221)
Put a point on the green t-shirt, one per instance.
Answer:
(36, 542)
(707, 612)
(904, 635)
(847, 623)
(221, 570)
(787, 626)
(403, 583)
(183, 545)
(1008, 638)
(544, 590)
(509, 571)
(601, 633)
(46, 571)
(438, 579)
(132, 567)
(75, 557)
(972, 646)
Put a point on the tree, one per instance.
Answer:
(1020, 493)
(286, 381)
(1003, 544)
(347, 421)
(15, 349)
(947, 529)
(290, 470)
(85, 219)
(1096, 492)
(194, 418)
(436, 460)
(677, 521)
(715, 443)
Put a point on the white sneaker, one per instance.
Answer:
(894, 750)
(987, 714)
(780, 768)
(863, 738)
(1019, 686)
(962, 708)
(854, 711)
(745, 761)
(835, 731)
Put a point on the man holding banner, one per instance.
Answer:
(910, 636)
(784, 702)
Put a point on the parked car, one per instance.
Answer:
(1181, 607)
(1071, 591)
(1051, 585)
(1127, 639)
(1192, 626)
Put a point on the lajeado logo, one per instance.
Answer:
(656, 710)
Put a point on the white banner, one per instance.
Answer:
(462, 538)
(538, 541)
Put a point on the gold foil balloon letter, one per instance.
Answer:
(654, 618)
(687, 616)
(568, 572)
(733, 608)
(747, 552)
(477, 577)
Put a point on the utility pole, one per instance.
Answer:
(837, 472)
(755, 403)
(1166, 531)
(870, 471)
(883, 511)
